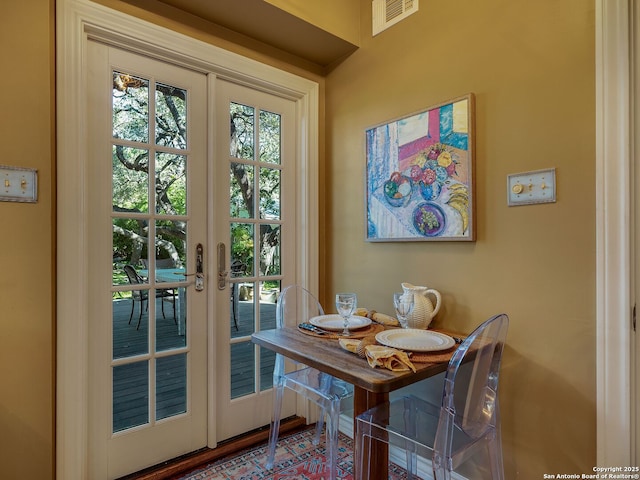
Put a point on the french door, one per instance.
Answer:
(256, 197)
(172, 365)
(147, 237)
(86, 290)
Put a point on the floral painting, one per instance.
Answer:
(420, 175)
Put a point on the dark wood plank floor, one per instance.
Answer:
(131, 406)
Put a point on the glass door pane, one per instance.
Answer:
(254, 232)
(150, 230)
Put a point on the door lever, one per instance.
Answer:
(199, 280)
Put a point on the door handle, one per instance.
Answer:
(199, 275)
(199, 268)
(222, 272)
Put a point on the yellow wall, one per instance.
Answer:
(27, 244)
(531, 67)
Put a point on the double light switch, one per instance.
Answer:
(18, 184)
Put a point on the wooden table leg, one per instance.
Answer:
(379, 465)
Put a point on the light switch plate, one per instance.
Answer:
(531, 187)
(18, 184)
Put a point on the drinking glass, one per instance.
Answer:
(403, 302)
(346, 304)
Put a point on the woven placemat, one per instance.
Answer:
(432, 357)
(359, 333)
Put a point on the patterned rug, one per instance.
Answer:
(296, 458)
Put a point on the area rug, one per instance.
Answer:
(296, 458)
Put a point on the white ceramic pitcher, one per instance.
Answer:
(423, 310)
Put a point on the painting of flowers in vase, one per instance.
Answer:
(420, 175)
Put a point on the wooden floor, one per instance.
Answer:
(131, 379)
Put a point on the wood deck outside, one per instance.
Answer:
(131, 381)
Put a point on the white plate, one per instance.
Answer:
(336, 323)
(415, 340)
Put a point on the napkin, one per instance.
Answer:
(378, 317)
(389, 358)
(379, 356)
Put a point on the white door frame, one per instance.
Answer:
(614, 256)
(78, 21)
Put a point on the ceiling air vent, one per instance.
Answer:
(390, 12)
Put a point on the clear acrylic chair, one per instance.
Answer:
(297, 305)
(463, 429)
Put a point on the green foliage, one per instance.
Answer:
(242, 244)
(136, 176)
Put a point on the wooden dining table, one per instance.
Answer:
(371, 385)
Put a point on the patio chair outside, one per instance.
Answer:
(142, 296)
